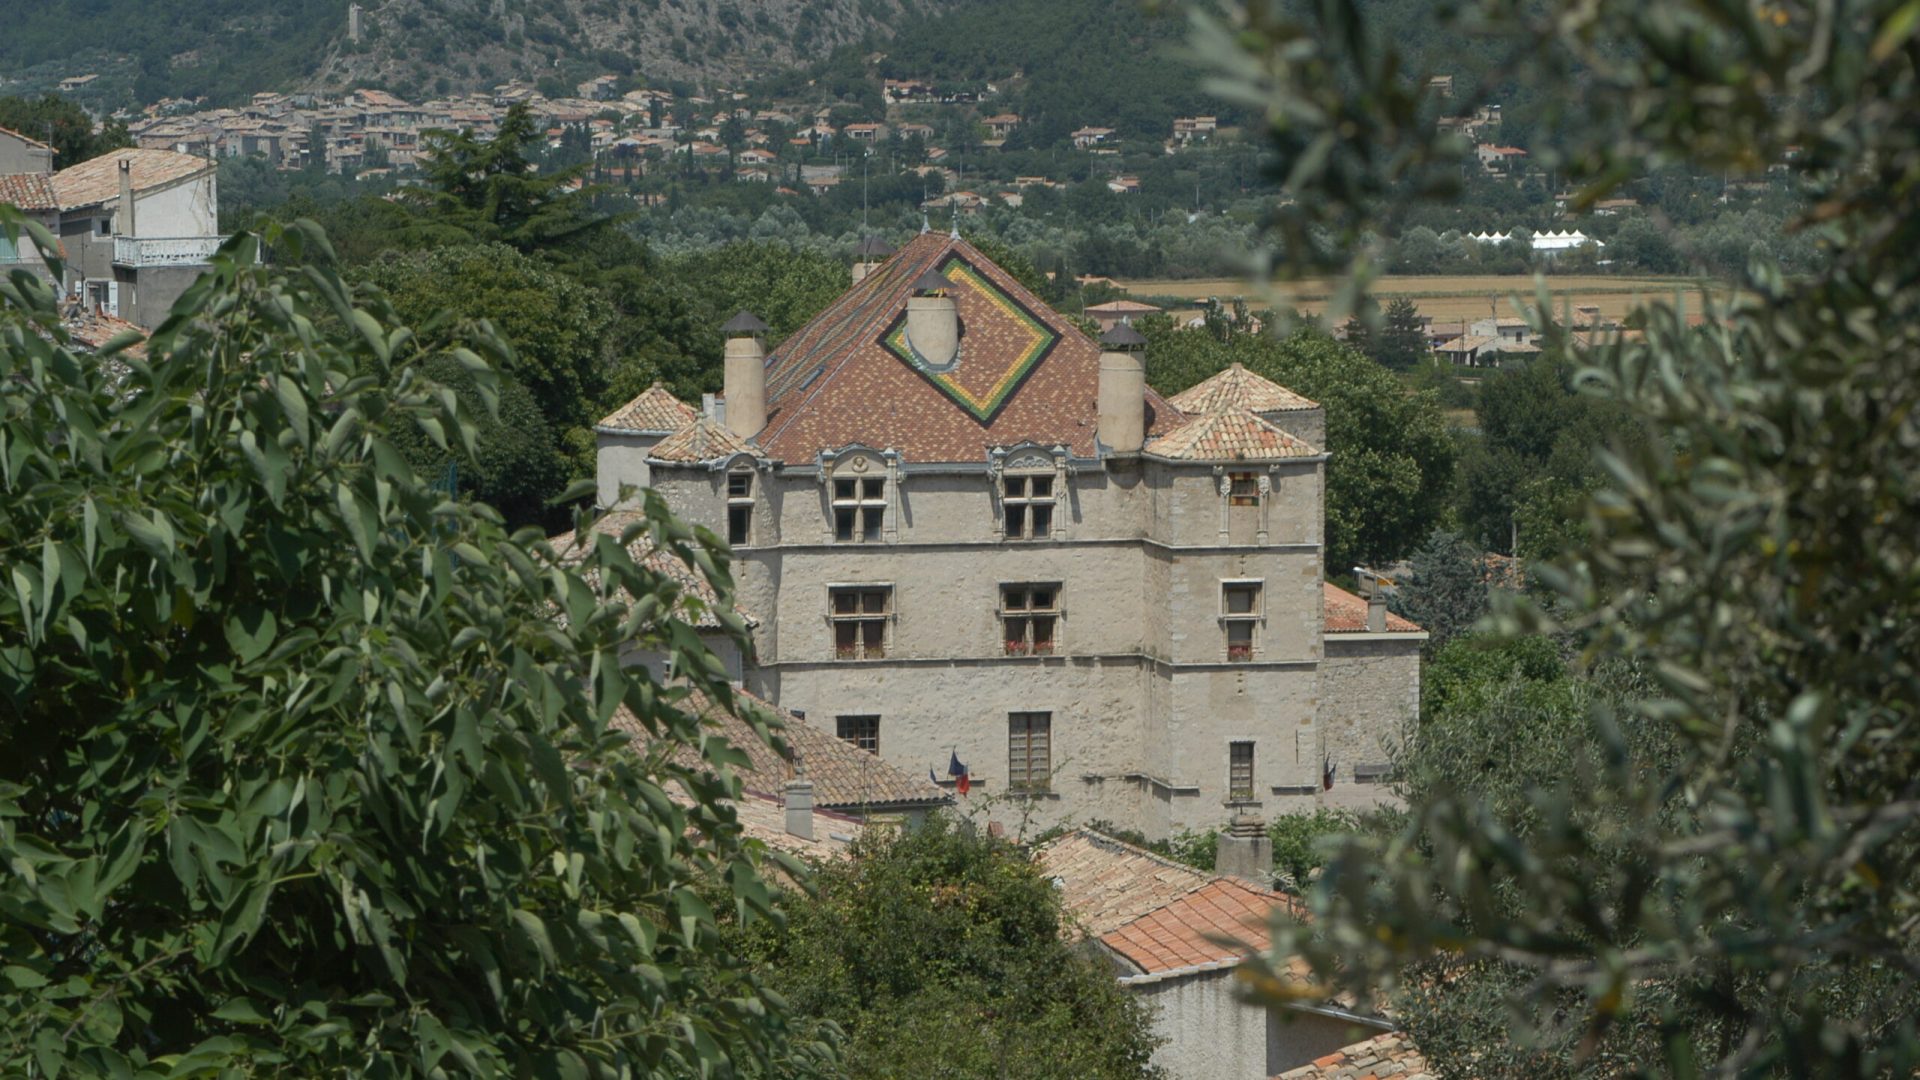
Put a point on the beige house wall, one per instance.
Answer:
(1211, 1032)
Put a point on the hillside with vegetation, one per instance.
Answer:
(225, 50)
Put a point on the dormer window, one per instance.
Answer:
(1026, 500)
(859, 509)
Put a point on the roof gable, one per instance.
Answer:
(1229, 435)
(1236, 387)
(98, 180)
(1023, 373)
(703, 440)
(654, 411)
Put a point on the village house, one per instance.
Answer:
(1187, 129)
(1175, 935)
(866, 133)
(1496, 158)
(1002, 125)
(1114, 312)
(1090, 136)
(969, 531)
(1124, 185)
(138, 227)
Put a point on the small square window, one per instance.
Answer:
(1026, 502)
(860, 616)
(740, 485)
(1240, 615)
(861, 731)
(1030, 619)
(1243, 490)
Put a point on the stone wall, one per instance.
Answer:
(1370, 690)
(1210, 1033)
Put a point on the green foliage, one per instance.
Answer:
(553, 376)
(299, 772)
(62, 125)
(1299, 842)
(491, 189)
(940, 953)
(1392, 460)
(1715, 870)
(1448, 591)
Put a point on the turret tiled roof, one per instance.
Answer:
(1023, 373)
(1238, 388)
(705, 439)
(655, 412)
(1229, 435)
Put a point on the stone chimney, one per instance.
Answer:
(1376, 603)
(745, 381)
(1123, 389)
(1245, 850)
(868, 257)
(124, 218)
(933, 322)
(799, 794)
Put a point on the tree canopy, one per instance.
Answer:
(61, 124)
(1726, 881)
(308, 768)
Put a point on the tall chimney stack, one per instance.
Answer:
(868, 257)
(124, 218)
(1376, 605)
(745, 380)
(1123, 389)
(933, 322)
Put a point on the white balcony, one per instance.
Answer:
(135, 252)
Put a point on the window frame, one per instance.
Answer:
(1030, 615)
(1021, 726)
(1025, 504)
(869, 497)
(865, 735)
(1241, 772)
(1236, 496)
(740, 503)
(1242, 624)
(861, 618)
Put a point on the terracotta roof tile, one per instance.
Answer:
(703, 440)
(1024, 373)
(844, 777)
(1186, 931)
(1347, 613)
(97, 180)
(28, 191)
(697, 597)
(1233, 434)
(1238, 388)
(656, 411)
(1106, 883)
(1390, 1055)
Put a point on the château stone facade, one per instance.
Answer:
(964, 528)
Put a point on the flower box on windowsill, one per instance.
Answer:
(1018, 648)
(1239, 653)
(1043, 648)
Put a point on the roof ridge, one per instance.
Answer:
(1153, 856)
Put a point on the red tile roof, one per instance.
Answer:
(1383, 1056)
(656, 411)
(697, 598)
(1229, 435)
(28, 191)
(844, 777)
(1106, 883)
(1236, 387)
(703, 440)
(1185, 933)
(1024, 372)
(98, 180)
(1347, 613)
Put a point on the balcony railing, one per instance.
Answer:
(135, 252)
